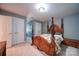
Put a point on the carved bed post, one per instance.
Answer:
(52, 39)
(53, 31)
(32, 33)
(62, 26)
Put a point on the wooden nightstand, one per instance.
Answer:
(2, 48)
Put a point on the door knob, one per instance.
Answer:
(16, 32)
(10, 33)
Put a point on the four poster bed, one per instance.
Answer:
(48, 43)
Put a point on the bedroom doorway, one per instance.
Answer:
(37, 28)
(29, 31)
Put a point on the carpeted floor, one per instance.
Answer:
(26, 49)
(69, 51)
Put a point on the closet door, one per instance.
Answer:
(9, 31)
(6, 29)
(14, 30)
(18, 30)
(37, 28)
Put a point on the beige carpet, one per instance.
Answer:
(69, 51)
(24, 49)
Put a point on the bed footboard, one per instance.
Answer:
(43, 45)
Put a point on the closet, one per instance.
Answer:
(11, 30)
(17, 30)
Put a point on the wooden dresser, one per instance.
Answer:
(2, 48)
(71, 42)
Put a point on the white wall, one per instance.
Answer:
(71, 25)
(44, 27)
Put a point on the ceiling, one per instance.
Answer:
(53, 9)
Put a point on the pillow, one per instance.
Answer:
(58, 38)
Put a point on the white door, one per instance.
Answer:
(9, 31)
(18, 30)
(37, 28)
(6, 29)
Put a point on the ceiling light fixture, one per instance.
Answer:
(41, 7)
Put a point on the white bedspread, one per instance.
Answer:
(58, 40)
(47, 37)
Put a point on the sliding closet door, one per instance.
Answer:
(37, 28)
(14, 30)
(9, 31)
(18, 30)
(6, 29)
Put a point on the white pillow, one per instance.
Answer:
(58, 38)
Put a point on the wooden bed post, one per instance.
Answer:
(52, 39)
(32, 33)
(53, 31)
(62, 26)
